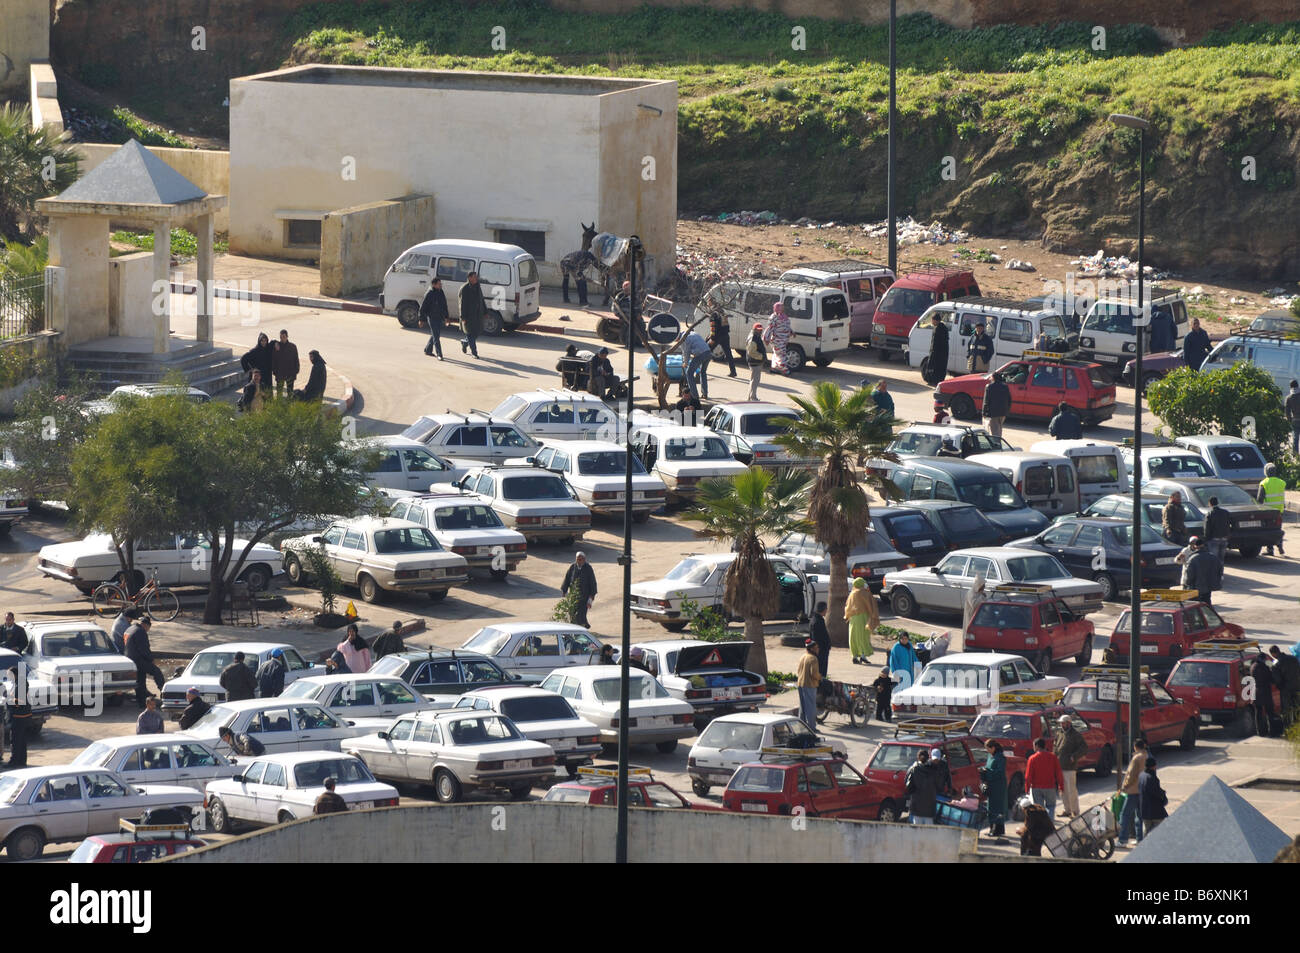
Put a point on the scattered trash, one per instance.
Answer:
(912, 232)
(1235, 300)
(1276, 293)
(1121, 266)
(565, 317)
(1196, 294)
(1283, 300)
(745, 218)
(1015, 264)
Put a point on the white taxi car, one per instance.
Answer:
(681, 456)
(542, 716)
(535, 502)
(280, 788)
(400, 463)
(710, 676)
(158, 759)
(352, 696)
(748, 428)
(87, 562)
(533, 649)
(733, 740)
(280, 724)
(596, 472)
(204, 671)
(654, 716)
(966, 683)
(468, 527)
(559, 414)
(80, 660)
(478, 437)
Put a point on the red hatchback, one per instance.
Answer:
(1031, 621)
(814, 779)
(598, 784)
(1021, 717)
(1038, 383)
(1216, 679)
(1172, 622)
(1163, 718)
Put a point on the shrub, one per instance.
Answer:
(567, 607)
(707, 622)
(317, 563)
(1240, 400)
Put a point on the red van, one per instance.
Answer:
(907, 299)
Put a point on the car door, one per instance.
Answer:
(939, 590)
(107, 802)
(388, 758)
(274, 729)
(316, 729)
(1016, 376)
(862, 306)
(534, 652)
(439, 677)
(468, 441)
(149, 764)
(420, 468)
(269, 796)
(577, 648)
(1161, 720)
(239, 798)
(1058, 540)
(195, 765)
(419, 755)
(1015, 336)
(194, 553)
(1088, 554)
(508, 443)
(354, 699)
(59, 806)
(394, 698)
(295, 665)
(331, 540)
(1046, 389)
(159, 554)
(388, 470)
(962, 766)
(349, 555)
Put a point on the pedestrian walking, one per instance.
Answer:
(755, 358)
(1196, 345)
(1286, 674)
(994, 776)
(329, 802)
(818, 633)
(284, 364)
(1066, 425)
(997, 403)
(1152, 798)
(18, 713)
(979, 353)
(1173, 519)
(863, 616)
(922, 787)
(238, 680)
(390, 643)
(777, 336)
(884, 686)
(903, 661)
(12, 635)
(195, 708)
(315, 388)
(1218, 527)
(936, 365)
(808, 676)
(1043, 777)
(1070, 748)
(1292, 408)
(433, 309)
(1130, 819)
(1263, 703)
(355, 650)
(696, 356)
(881, 397)
(581, 574)
(270, 675)
(472, 309)
(139, 651)
(150, 721)
(261, 357)
(1202, 570)
(720, 337)
(125, 619)
(242, 743)
(253, 397)
(1272, 493)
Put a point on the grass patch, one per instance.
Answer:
(185, 244)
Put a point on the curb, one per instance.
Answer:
(329, 304)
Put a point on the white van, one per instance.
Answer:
(1108, 336)
(508, 274)
(1014, 327)
(1045, 480)
(1098, 467)
(862, 282)
(819, 317)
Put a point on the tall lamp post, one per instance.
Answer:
(1140, 323)
(890, 212)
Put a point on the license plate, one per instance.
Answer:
(931, 710)
(513, 765)
(1251, 524)
(1167, 561)
(753, 808)
(1150, 649)
(483, 550)
(362, 805)
(1185, 474)
(563, 744)
(1206, 718)
(426, 573)
(924, 542)
(660, 721)
(726, 694)
(553, 521)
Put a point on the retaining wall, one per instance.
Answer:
(358, 244)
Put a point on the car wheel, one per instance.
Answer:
(408, 314)
(370, 590)
(674, 626)
(903, 603)
(218, 817)
(1249, 552)
(445, 786)
(565, 541)
(701, 788)
(794, 640)
(492, 323)
(499, 575)
(795, 359)
(1244, 726)
(1148, 380)
(1105, 762)
(888, 812)
(1109, 587)
(823, 360)
(258, 578)
(113, 701)
(963, 407)
(1044, 662)
(437, 595)
(1085, 653)
(666, 747)
(521, 791)
(1016, 789)
(27, 843)
(284, 818)
(1188, 741)
(293, 569)
(641, 517)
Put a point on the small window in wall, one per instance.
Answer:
(300, 232)
(532, 242)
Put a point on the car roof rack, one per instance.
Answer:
(1287, 337)
(837, 265)
(1168, 595)
(936, 268)
(798, 754)
(1044, 698)
(1225, 644)
(943, 727)
(137, 829)
(1023, 588)
(1054, 357)
(1113, 671)
(604, 772)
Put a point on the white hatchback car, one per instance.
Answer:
(733, 740)
(204, 671)
(533, 650)
(596, 472)
(158, 759)
(536, 503)
(542, 716)
(562, 414)
(655, 717)
(468, 527)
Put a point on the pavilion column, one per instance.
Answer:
(204, 230)
(162, 293)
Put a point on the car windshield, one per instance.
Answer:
(1002, 726)
(908, 526)
(894, 757)
(956, 675)
(509, 408)
(723, 736)
(1199, 674)
(1238, 456)
(1084, 698)
(1026, 568)
(83, 642)
(689, 571)
(1000, 615)
(962, 519)
(407, 539)
(922, 444)
(537, 708)
(10, 788)
(1176, 465)
(607, 463)
(467, 517)
(696, 448)
(303, 688)
(991, 496)
(1153, 623)
(95, 754)
(209, 664)
(765, 425)
(489, 641)
(906, 301)
(482, 730)
(640, 686)
(535, 487)
(762, 780)
(312, 774)
(1228, 494)
(1097, 468)
(1124, 536)
(216, 717)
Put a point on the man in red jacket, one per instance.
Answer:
(1043, 777)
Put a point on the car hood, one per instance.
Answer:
(712, 657)
(1018, 522)
(699, 468)
(557, 727)
(179, 792)
(667, 589)
(479, 537)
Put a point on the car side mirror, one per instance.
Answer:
(382, 736)
(531, 461)
(316, 539)
(234, 760)
(239, 778)
(936, 570)
(351, 724)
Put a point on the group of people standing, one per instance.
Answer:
(278, 361)
(473, 309)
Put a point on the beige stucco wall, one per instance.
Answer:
(130, 295)
(209, 169)
(358, 244)
(24, 39)
(45, 98)
(79, 245)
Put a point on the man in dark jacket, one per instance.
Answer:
(979, 353)
(434, 310)
(1070, 748)
(195, 708)
(472, 309)
(1203, 571)
(12, 635)
(329, 802)
(19, 716)
(139, 651)
(270, 675)
(1066, 425)
(1286, 673)
(315, 388)
(1218, 527)
(720, 336)
(1151, 798)
(284, 364)
(1263, 703)
(1196, 345)
(818, 633)
(242, 743)
(389, 643)
(997, 404)
(584, 577)
(1164, 335)
(1173, 519)
(261, 358)
(936, 367)
(922, 786)
(238, 680)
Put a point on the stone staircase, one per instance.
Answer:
(114, 361)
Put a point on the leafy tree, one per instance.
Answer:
(1240, 400)
(25, 173)
(49, 423)
(842, 432)
(742, 510)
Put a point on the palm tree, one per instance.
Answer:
(34, 164)
(843, 432)
(742, 510)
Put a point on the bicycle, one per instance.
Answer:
(111, 598)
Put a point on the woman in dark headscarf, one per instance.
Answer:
(936, 368)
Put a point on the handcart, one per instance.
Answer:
(1091, 836)
(967, 812)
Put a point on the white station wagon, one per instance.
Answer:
(284, 787)
(401, 463)
(80, 659)
(596, 472)
(158, 759)
(204, 671)
(536, 503)
(179, 560)
(475, 437)
(654, 716)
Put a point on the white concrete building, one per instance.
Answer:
(518, 158)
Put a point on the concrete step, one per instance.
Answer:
(211, 370)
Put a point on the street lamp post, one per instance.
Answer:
(890, 212)
(1139, 324)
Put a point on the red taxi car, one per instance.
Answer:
(1038, 382)
(1031, 621)
(814, 779)
(1215, 678)
(598, 784)
(1162, 718)
(1021, 717)
(1172, 621)
(965, 754)
(136, 844)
